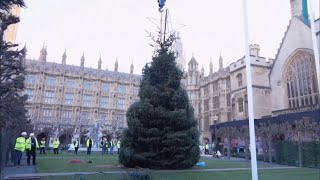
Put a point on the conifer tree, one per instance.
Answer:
(162, 131)
(13, 119)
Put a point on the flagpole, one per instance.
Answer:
(314, 41)
(254, 169)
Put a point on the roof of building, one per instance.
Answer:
(61, 67)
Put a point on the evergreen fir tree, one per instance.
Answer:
(162, 131)
(13, 119)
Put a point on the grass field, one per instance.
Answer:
(51, 164)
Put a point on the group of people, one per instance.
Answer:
(105, 145)
(30, 145)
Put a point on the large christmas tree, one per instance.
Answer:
(162, 132)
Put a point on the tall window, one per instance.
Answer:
(119, 121)
(120, 103)
(31, 79)
(121, 89)
(105, 87)
(87, 85)
(206, 105)
(206, 90)
(240, 104)
(85, 116)
(68, 99)
(66, 115)
(228, 82)
(29, 92)
(301, 80)
(215, 86)
(104, 102)
(87, 99)
(135, 91)
(216, 102)
(229, 116)
(50, 80)
(206, 123)
(239, 79)
(103, 117)
(228, 99)
(70, 83)
(49, 97)
(47, 115)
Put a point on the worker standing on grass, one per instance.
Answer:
(56, 144)
(42, 146)
(112, 144)
(206, 148)
(31, 147)
(19, 148)
(89, 146)
(76, 144)
(118, 146)
(104, 146)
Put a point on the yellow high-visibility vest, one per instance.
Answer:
(43, 143)
(56, 143)
(20, 144)
(28, 143)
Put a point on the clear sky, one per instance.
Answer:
(117, 29)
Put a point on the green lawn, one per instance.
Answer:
(59, 163)
(54, 163)
(292, 174)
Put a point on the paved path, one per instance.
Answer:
(122, 172)
(18, 170)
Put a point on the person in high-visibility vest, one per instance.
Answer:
(119, 146)
(56, 144)
(76, 144)
(89, 146)
(19, 148)
(31, 147)
(42, 146)
(206, 148)
(112, 144)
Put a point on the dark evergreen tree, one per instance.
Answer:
(162, 131)
(13, 119)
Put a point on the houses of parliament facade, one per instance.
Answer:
(63, 98)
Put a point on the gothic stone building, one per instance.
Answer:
(282, 85)
(64, 98)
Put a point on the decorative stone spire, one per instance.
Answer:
(193, 64)
(202, 71)
(24, 49)
(64, 57)
(131, 68)
(99, 63)
(211, 66)
(82, 60)
(43, 53)
(220, 62)
(116, 65)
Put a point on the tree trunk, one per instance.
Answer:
(246, 147)
(228, 147)
(270, 149)
(300, 150)
(4, 146)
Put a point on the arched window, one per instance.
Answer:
(301, 80)
(240, 104)
(239, 78)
